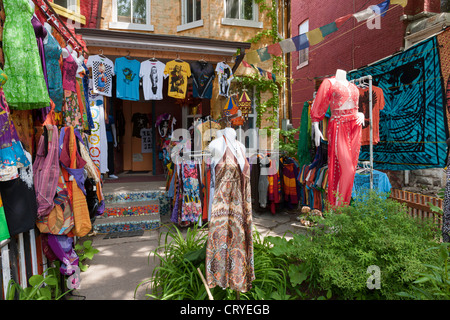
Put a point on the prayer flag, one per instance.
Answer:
(287, 45)
(383, 7)
(314, 36)
(252, 57)
(403, 3)
(301, 41)
(275, 49)
(246, 64)
(340, 21)
(263, 54)
(329, 28)
(364, 15)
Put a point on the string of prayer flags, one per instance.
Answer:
(383, 7)
(328, 29)
(340, 21)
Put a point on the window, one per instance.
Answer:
(241, 13)
(131, 14)
(191, 14)
(69, 9)
(303, 55)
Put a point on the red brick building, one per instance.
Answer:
(354, 45)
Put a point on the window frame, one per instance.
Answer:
(114, 24)
(189, 25)
(305, 51)
(68, 13)
(254, 23)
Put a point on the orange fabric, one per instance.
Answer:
(377, 105)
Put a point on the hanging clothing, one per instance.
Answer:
(225, 75)
(377, 105)
(102, 73)
(97, 140)
(344, 136)
(178, 73)
(127, 78)
(152, 74)
(26, 88)
(202, 79)
(229, 251)
(54, 76)
(191, 205)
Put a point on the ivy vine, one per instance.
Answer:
(269, 107)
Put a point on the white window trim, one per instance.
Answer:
(190, 25)
(130, 26)
(242, 22)
(304, 63)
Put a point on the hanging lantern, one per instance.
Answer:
(245, 104)
(230, 109)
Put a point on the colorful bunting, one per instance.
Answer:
(245, 104)
(313, 37)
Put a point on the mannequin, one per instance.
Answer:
(49, 31)
(227, 137)
(344, 133)
(31, 4)
(67, 52)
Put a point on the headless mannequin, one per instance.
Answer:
(341, 76)
(227, 137)
(65, 53)
(31, 4)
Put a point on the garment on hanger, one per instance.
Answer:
(152, 74)
(202, 79)
(54, 76)
(102, 73)
(225, 75)
(229, 251)
(127, 78)
(191, 205)
(26, 88)
(344, 136)
(178, 73)
(361, 186)
(377, 105)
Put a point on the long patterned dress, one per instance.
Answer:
(229, 251)
(26, 88)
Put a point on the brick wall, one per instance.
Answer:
(89, 9)
(345, 49)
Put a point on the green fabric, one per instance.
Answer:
(26, 87)
(304, 139)
(4, 232)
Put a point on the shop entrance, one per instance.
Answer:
(139, 115)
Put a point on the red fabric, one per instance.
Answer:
(377, 105)
(275, 49)
(340, 21)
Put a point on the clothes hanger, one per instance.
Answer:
(178, 58)
(128, 55)
(101, 53)
(153, 58)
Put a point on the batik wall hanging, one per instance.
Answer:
(412, 125)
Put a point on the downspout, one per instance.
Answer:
(99, 13)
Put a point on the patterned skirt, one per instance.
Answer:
(229, 251)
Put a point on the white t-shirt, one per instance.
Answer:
(225, 75)
(152, 74)
(102, 73)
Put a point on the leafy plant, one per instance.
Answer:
(176, 276)
(370, 232)
(85, 251)
(41, 287)
(436, 277)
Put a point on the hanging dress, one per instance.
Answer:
(54, 75)
(71, 109)
(229, 250)
(192, 206)
(344, 137)
(26, 88)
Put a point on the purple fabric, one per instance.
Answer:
(70, 67)
(62, 247)
(41, 33)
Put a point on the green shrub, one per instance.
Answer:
(176, 277)
(371, 232)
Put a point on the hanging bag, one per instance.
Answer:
(46, 170)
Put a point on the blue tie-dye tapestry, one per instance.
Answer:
(412, 125)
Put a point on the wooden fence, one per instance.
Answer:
(418, 205)
(21, 257)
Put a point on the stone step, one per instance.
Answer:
(137, 208)
(127, 223)
(133, 196)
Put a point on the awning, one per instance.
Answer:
(156, 42)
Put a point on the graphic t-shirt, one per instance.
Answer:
(178, 73)
(140, 121)
(152, 74)
(225, 75)
(102, 72)
(203, 77)
(377, 105)
(127, 78)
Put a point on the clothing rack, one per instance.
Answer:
(359, 81)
